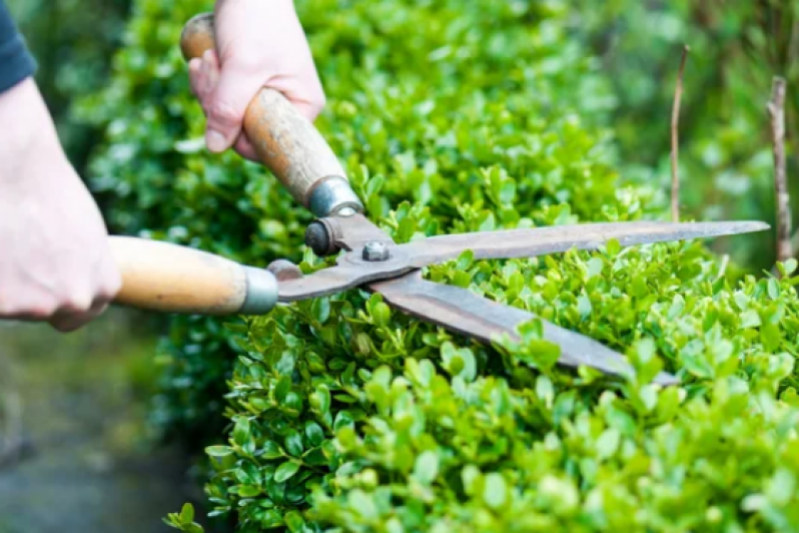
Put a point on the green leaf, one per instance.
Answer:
(425, 468)
(495, 490)
(363, 504)
(294, 521)
(789, 267)
(294, 444)
(465, 260)
(219, 451)
(321, 309)
(286, 470)
(608, 443)
(773, 289)
(187, 513)
(314, 433)
(271, 450)
(241, 431)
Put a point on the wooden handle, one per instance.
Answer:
(166, 277)
(285, 141)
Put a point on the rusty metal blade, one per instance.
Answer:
(352, 271)
(464, 312)
(508, 244)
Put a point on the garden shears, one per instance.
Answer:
(173, 278)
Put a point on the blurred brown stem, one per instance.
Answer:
(776, 110)
(675, 121)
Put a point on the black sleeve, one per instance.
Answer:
(16, 62)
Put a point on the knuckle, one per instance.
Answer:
(223, 112)
(79, 302)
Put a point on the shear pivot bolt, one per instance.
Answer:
(375, 251)
(317, 239)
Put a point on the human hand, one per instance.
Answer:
(259, 44)
(55, 261)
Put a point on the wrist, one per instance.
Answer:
(30, 133)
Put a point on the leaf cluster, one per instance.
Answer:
(345, 415)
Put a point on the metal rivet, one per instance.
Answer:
(375, 251)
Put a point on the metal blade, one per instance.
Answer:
(508, 244)
(352, 270)
(464, 312)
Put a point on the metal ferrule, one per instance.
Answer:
(334, 196)
(261, 292)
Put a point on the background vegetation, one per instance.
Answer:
(525, 113)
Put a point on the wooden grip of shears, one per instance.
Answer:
(284, 140)
(160, 276)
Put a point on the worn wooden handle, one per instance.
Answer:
(285, 141)
(166, 277)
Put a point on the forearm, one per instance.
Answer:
(16, 62)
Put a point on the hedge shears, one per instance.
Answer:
(172, 278)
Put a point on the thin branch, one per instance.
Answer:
(776, 110)
(675, 121)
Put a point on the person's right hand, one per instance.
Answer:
(260, 43)
(55, 261)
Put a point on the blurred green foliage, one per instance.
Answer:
(737, 46)
(73, 41)
(345, 415)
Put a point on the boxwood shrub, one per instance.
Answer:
(343, 415)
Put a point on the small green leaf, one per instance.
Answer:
(286, 471)
(363, 503)
(314, 433)
(249, 491)
(241, 431)
(187, 513)
(294, 444)
(789, 267)
(465, 260)
(495, 490)
(271, 450)
(219, 451)
(426, 467)
(608, 443)
(294, 521)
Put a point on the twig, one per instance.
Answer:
(675, 121)
(776, 110)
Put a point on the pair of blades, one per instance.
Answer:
(395, 273)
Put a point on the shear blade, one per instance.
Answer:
(352, 271)
(464, 312)
(518, 243)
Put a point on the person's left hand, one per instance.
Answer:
(259, 44)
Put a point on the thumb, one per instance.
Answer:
(229, 101)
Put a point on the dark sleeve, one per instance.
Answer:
(16, 62)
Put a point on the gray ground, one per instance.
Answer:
(77, 400)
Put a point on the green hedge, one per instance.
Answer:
(347, 416)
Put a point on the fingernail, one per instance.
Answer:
(216, 141)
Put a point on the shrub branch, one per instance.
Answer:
(776, 110)
(675, 121)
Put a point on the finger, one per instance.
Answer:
(208, 79)
(194, 75)
(306, 95)
(245, 148)
(237, 86)
(67, 321)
